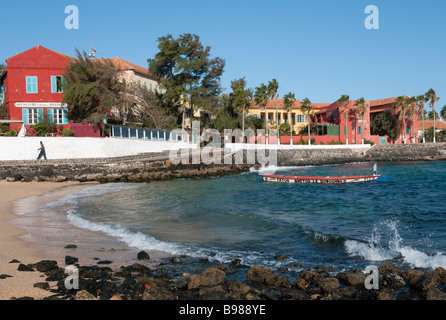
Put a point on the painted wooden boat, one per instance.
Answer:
(320, 179)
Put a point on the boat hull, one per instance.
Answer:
(319, 180)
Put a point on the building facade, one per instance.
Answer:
(31, 87)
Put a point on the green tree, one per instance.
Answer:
(360, 110)
(443, 112)
(343, 103)
(431, 96)
(421, 112)
(91, 89)
(307, 108)
(189, 75)
(273, 87)
(240, 98)
(261, 98)
(412, 109)
(400, 105)
(386, 124)
(289, 104)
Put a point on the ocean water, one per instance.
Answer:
(401, 220)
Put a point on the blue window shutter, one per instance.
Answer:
(53, 84)
(40, 115)
(50, 116)
(25, 116)
(28, 85)
(65, 116)
(31, 85)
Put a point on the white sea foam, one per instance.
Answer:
(274, 169)
(375, 249)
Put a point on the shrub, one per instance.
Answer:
(68, 133)
(12, 133)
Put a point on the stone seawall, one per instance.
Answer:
(146, 168)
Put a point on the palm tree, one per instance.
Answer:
(443, 113)
(360, 109)
(241, 101)
(261, 98)
(401, 106)
(411, 111)
(307, 108)
(343, 102)
(432, 97)
(421, 100)
(273, 87)
(289, 104)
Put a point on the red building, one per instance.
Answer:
(32, 88)
(353, 128)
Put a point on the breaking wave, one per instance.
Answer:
(378, 248)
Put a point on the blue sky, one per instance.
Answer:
(318, 49)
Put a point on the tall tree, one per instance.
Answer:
(400, 105)
(343, 103)
(385, 123)
(360, 109)
(289, 103)
(273, 87)
(261, 97)
(443, 113)
(307, 108)
(421, 100)
(431, 96)
(187, 72)
(411, 111)
(240, 98)
(92, 89)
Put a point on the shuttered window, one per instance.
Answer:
(31, 85)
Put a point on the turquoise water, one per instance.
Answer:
(401, 220)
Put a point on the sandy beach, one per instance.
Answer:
(12, 242)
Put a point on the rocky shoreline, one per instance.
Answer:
(155, 167)
(139, 282)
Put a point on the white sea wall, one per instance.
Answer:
(26, 148)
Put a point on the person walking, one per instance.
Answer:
(42, 151)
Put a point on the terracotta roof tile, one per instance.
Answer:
(439, 124)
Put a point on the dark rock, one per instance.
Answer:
(212, 293)
(236, 263)
(143, 255)
(352, 279)
(258, 274)
(280, 257)
(23, 267)
(176, 260)
(238, 287)
(413, 276)
(393, 281)
(210, 277)
(328, 285)
(137, 267)
(293, 294)
(14, 261)
(389, 268)
(46, 265)
(42, 285)
(104, 262)
(71, 260)
(385, 294)
(4, 276)
(435, 294)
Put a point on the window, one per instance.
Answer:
(2, 94)
(407, 129)
(56, 84)
(33, 116)
(58, 116)
(359, 129)
(31, 85)
(299, 118)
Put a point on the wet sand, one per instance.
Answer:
(13, 240)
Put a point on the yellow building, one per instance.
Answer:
(276, 110)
